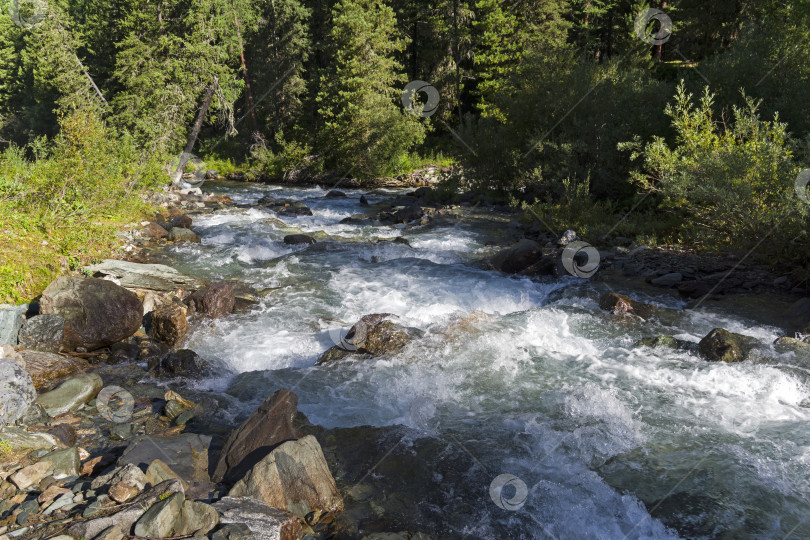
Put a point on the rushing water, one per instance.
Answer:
(516, 376)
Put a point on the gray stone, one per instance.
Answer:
(127, 482)
(567, 237)
(43, 333)
(11, 319)
(160, 519)
(186, 454)
(293, 477)
(196, 518)
(181, 234)
(30, 475)
(60, 502)
(239, 531)
(154, 277)
(64, 463)
(158, 472)
(19, 439)
(17, 391)
(261, 519)
(71, 394)
(126, 517)
(112, 533)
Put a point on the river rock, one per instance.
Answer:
(798, 316)
(285, 206)
(373, 335)
(158, 472)
(797, 346)
(183, 221)
(668, 280)
(335, 194)
(160, 519)
(264, 521)
(90, 529)
(43, 333)
(65, 433)
(567, 237)
(30, 475)
(151, 277)
(181, 234)
(293, 239)
(16, 391)
(293, 477)
(97, 312)
(183, 362)
(11, 320)
(64, 463)
(153, 230)
(270, 425)
(127, 482)
(44, 367)
(214, 301)
(408, 214)
(720, 345)
(196, 518)
(111, 533)
(239, 531)
(17, 438)
(620, 304)
(186, 454)
(123, 352)
(668, 342)
(169, 323)
(518, 257)
(71, 394)
(363, 200)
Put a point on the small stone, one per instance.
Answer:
(567, 237)
(169, 323)
(64, 463)
(65, 433)
(71, 394)
(60, 502)
(51, 493)
(92, 509)
(120, 432)
(112, 533)
(30, 475)
(158, 472)
(127, 482)
(22, 517)
(160, 519)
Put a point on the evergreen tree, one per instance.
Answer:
(363, 122)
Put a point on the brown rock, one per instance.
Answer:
(720, 345)
(45, 368)
(620, 304)
(158, 472)
(293, 477)
(93, 466)
(153, 230)
(269, 426)
(261, 519)
(65, 433)
(182, 221)
(30, 475)
(51, 493)
(97, 312)
(215, 300)
(518, 257)
(169, 323)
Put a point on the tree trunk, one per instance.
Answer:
(195, 132)
(248, 93)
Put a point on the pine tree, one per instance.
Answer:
(364, 124)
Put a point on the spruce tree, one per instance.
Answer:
(364, 124)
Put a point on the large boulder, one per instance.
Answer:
(720, 345)
(45, 367)
(518, 257)
(71, 394)
(196, 518)
(159, 519)
(11, 319)
(620, 304)
(293, 477)
(269, 426)
(214, 301)
(16, 391)
(97, 312)
(153, 277)
(43, 333)
(372, 335)
(169, 323)
(261, 519)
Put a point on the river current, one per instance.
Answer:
(548, 421)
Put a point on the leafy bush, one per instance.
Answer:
(730, 181)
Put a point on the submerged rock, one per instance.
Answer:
(183, 362)
(518, 257)
(16, 391)
(216, 300)
(45, 367)
(293, 239)
(620, 304)
(261, 519)
(720, 345)
(293, 477)
(270, 425)
(285, 206)
(97, 312)
(373, 335)
(181, 234)
(797, 346)
(71, 394)
(668, 342)
(43, 333)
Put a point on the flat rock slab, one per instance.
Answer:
(263, 520)
(153, 277)
(186, 454)
(71, 394)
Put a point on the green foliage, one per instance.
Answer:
(362, 124)
(731, 182)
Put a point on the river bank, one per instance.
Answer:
(491, 344)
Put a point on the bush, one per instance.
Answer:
(730, 181)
